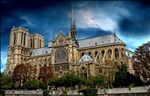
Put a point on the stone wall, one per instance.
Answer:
(136, 91)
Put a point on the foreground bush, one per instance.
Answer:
(2, 92)
(89, 92)
(34, 84)
(46, 93)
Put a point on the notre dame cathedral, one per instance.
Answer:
(65, 53)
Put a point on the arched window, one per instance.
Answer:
(24, 43)
(21, 38)
(103, 52)
(82, 54)
(31, 43)
(109, 53)
(15, 38)
(83, 72)
(40, 43)
(116, 53)
(89, 53)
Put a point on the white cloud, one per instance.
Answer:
(3, 60)
(92, 19)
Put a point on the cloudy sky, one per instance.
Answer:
(92, 18)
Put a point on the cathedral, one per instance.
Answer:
(66, 53)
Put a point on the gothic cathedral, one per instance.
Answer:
(90, 56)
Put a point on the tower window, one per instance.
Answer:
(15, 38)
(24, 40)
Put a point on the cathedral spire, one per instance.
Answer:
(73, 26)
(72, 16)
(60, 30)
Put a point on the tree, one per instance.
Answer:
(6, 82)
(31, 84)
(55, 81)
(46, 72)
(141, 61)
(23, 73)
(34, 84)
(109, 73)
(69, 79)
(94, 81)
(121, 75)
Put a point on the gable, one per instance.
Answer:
(85, 58)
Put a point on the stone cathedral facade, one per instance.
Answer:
(66, 53)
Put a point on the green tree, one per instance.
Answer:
(109, 72)
(34, 84)
(89, 92)
(94, 81)
(55, 81)
(6, 82)
(121, 75)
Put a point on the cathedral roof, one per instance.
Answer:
(107, 39)
(85, 58)
(41, 51)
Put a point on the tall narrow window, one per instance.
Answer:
(89, 53)
(40, 43)
(24, 39)
(109, 53)
(116, 53)
(103, 52)
(14, 38)
(82, 54)
(31, 43)
(83, 72)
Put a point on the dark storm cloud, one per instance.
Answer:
(138, 22)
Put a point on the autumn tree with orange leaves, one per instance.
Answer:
(46, 72)
(23, 73)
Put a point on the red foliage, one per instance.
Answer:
(46, 72)
(23, 73)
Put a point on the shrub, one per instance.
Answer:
(2, 92)
(89, 92)
(64, 93)
(46, 93)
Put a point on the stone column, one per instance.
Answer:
(11, 39)
(42, 43)
(119, 53)
(17, 38)
(113, 54)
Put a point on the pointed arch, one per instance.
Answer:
(83, 72)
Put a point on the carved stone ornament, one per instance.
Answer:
(61, 55)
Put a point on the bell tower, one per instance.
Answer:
(18, 49)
